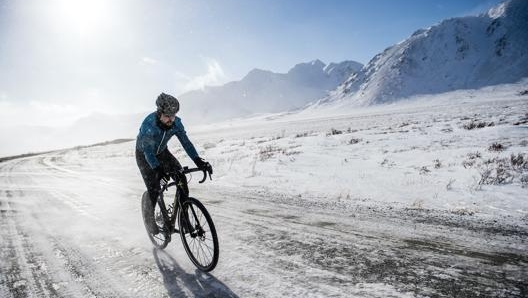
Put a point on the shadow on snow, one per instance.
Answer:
(180, 283)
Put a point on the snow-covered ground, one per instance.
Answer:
(416, 153)
(401, 200)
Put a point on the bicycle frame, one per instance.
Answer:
(182, 193)
(194, 223)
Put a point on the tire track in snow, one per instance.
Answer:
(50, 162)
(335, 253)
(80, 269)
(27, 273)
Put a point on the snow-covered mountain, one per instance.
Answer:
(262, 91)
(459, 53)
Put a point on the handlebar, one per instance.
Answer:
(186, 170)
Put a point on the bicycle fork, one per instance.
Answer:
(195, 230)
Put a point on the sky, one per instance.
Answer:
(65, 59)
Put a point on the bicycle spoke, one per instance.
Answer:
(201, 245)
(201, 254)
(209, 247)
(198, 252)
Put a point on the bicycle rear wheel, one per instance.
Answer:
(162, 237)
(198, 235)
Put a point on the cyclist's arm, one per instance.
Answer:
(148, 144)
(184, 140)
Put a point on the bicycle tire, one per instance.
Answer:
(162, 239)
(201, 244)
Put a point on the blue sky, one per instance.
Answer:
(63, 59)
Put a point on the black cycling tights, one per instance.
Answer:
(169, 163)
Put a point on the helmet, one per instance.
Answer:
(167, 104)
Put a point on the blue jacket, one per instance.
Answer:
(152, 139)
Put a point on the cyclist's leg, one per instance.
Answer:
(171, 165)
(153, 187)
(149, 176)
(169, 162)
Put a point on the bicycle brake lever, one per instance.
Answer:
(204, 177)
(205, 172)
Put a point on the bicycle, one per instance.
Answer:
(195, 226)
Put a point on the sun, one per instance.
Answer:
(84, 18)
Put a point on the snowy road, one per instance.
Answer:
(74, 230)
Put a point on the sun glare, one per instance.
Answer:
(84, 18)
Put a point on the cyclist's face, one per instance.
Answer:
(167, 120)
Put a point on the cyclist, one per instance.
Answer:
(153, 158)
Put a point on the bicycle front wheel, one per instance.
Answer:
(198, 235)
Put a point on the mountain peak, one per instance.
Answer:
(257, 74)
(519, 8)
(317, 63)
(343, 67)
(314, 65)
(459, 53)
